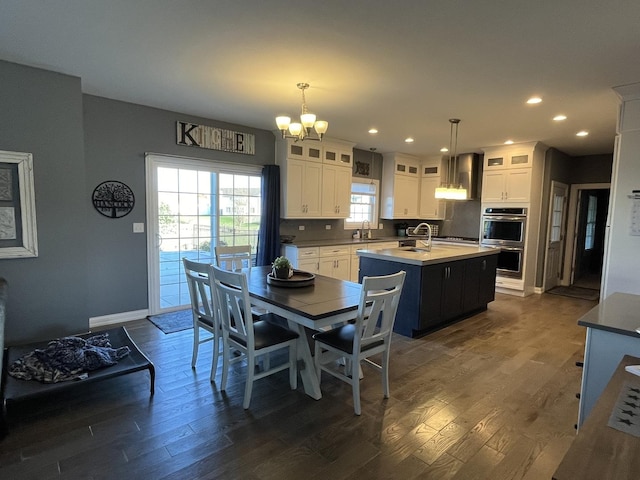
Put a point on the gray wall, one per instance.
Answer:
(88, 265)
(591, 168)
(41, 113)
(117, 136)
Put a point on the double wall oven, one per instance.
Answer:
(505, 228)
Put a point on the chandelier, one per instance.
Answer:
(451, 189)
(302, 130)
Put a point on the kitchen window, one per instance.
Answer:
(364, 204)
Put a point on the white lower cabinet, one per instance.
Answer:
(355, 260)
(335, 261)
(305, 258)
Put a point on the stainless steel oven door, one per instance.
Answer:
(510, 262)
(503, 230)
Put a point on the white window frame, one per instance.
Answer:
(152, 162)
(376, 209)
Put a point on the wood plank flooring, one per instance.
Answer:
(491, 397)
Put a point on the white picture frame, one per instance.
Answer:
(19, 230)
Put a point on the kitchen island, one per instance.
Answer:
(613, 331)
(446, 284)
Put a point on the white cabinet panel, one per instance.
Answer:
(430, 207)
(301, 195)
(336, 191)
(400, 186)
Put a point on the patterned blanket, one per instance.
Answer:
(67, 358)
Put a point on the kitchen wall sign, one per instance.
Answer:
(18, 234)
(213, 138)
(113, 199)
(362, 168)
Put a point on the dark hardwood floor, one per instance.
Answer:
(491, 397)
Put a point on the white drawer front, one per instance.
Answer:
(332, 251)
(308, 252)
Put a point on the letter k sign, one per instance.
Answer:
(184, 133)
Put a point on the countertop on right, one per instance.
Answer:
(618, 313)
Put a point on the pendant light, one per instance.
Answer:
(450, 189)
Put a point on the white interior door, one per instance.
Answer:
(555, 235)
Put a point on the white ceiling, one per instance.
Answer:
(403, 66)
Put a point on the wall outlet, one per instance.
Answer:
(380, 226)
(138, 228)
(300, 227)
(327, 227)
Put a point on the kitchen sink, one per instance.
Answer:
(416, 249)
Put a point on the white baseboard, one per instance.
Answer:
(117, 318)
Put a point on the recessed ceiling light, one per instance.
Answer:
(534, 100)
(582, 133)
(408, 140)
(373, 130)
(559, 118)
(444, 149)
(509, 142)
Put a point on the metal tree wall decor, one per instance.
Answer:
(113, 199)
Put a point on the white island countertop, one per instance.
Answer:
(421, 257)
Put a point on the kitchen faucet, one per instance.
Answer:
(426, 244)
(368, 234)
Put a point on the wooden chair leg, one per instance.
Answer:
(216, 354)
(385, 373)
(355, 383)
(225, 364)
(317, 358)
(248, 387)
(196, 344)
(293, 366)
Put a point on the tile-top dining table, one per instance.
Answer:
(327, 302)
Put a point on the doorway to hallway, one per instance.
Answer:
(585, 236)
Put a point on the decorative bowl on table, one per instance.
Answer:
(298, 279)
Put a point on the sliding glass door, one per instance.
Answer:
(192, 206)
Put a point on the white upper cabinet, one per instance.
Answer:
(508, 173)
(309, 150)
(301, 194)
(315, 178)
(400, 186)
(513, 185)
(432, 174)
(334, 153)
(336, 191)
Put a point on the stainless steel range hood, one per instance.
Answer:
(469, 173)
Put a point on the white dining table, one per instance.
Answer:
(329, 301)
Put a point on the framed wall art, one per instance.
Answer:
(18, 232)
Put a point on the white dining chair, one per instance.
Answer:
(252, 337)
(204, 311)
(234, 257)
(368, 335)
